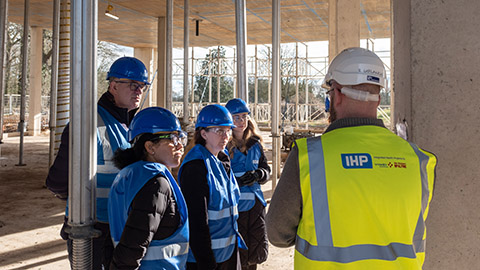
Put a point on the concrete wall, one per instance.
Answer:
(344, 26)
(148, 57)
(35, 89)
(436, 84)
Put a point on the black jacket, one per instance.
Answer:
(57, 178)
(196, 191)
(153, 215)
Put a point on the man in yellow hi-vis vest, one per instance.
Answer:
(356, 197)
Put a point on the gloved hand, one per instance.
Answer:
(263, 176)
(248, 178)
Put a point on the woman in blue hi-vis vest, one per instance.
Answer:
(212, 194)
(251, 169)
(146, 209)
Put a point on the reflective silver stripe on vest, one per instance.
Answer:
(418, 242)
(247, 196)
(354, 253)
(320, 202)
(223, 242)
(107, 168)
(155, 253)
(227, 212)
(102, 192)
(325, 251)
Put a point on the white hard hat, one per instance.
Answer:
(356, 66)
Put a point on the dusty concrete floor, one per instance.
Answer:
(31, 218)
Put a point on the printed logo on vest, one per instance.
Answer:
(357, 161)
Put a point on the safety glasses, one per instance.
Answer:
(221, 131)
(134, 85)
(238, 117)
(180, 138)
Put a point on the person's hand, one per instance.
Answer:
(247, 179)
(263, 177)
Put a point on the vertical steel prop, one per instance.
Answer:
(186, 41)
(21, 124)
(54, 80)
(276, 92)
(241, 35)
(3, 54)
(83, 122)
(169, 57)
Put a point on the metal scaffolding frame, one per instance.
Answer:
(309, 69)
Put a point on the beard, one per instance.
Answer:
(332, 112)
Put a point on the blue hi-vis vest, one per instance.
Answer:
(242, 163)
(111, 135)
(222, 205)
(365, 195)
(169, 253)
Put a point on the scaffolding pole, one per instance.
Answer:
(186, 41)
(3, 56)
(54, 80)
(241, 34)
(21, 124)
(168, 57)
(276, 91)
(82, 140)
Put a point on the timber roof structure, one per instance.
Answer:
(301, 20)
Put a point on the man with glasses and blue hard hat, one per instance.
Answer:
(128, 78)
(356, 197)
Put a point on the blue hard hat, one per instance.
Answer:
(153, 120)
(214, 115)
(128, 68)
(236, 106)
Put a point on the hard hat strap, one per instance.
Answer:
(359, 95)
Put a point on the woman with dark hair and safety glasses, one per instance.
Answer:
(146, 209)
(212, 194)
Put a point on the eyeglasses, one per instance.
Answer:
(176, 139)
(221, 131)
(237, 117)
(134, 86)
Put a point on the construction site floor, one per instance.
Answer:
(31, 217)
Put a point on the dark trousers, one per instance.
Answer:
(251, 225)
(233, 263)
(250, 267)
(99, 252)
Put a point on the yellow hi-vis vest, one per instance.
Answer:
(365, 196)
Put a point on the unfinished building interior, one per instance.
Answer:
(432, 62)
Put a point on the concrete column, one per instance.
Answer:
(161, 52)
(343, 25)
(35, 98)
(146, 55)
(436, 64)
